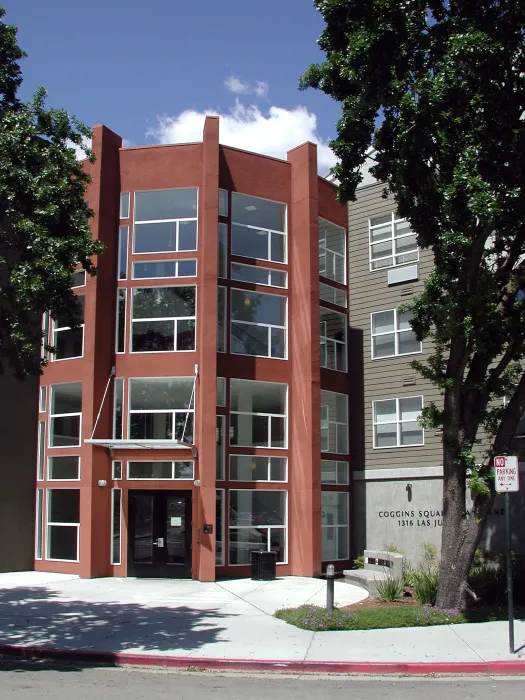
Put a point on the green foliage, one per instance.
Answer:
(425, 581)
(429, 554)
(44, 226)
(359, 562)
(488, 578)
(390, 588)
(390, 547)
(310, 617)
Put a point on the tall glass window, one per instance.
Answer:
(333, 340)
(223, 250)
(116, 525)
(258, 228)
(332, 251)
(255, 274)
(123, 237)
(39, 517)
(258, 416)
(334, 422)
(334, 526)
(121, 320)
(163, 319)
(65, 415)
(165, 220)
(221, 320)
(42, 404)
(257, 521)
(257, 468)
(118, 400)
(68, 342)
(124, 205)
(161, 409)
(63, 524)
(220, 436)
(223, 202)
(258, 324)
(219, 528)
(41, 450)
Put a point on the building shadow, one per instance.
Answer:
(38, 617)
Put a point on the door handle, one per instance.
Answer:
(159, 542)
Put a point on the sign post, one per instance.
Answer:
(506, 475)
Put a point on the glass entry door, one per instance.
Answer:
(159, 534)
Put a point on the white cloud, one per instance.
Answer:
(272, 133)
(80, 150)
(244, 87)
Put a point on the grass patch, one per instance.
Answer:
(311, 617)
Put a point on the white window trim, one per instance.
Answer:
(39, 524)
(121, 291)
(260, 481)
(396, 333)
(177, 249)
(268, 231)
(268, 415)
(325, 340)
(324, 250)
(263, 527)
(338, 527)
(336, 482)
(174, 319)
(123, 194)
(60, 329)
(79, 286)
(173, 277)
(41, 449)
(269, 326)
(156, 410)
(398, 423)
(223, 239)
(333, 290)
(52, 416)
(123, 236)
(113, 470)
(223, 530)
(50, 457)
(122, 383)
(42, 402)
(221, 419)
(50, 524)
(148, 479)
(329, 422)
(268, 270)
(392, 239)
(45, 335)
(112, 533)
(224, 197)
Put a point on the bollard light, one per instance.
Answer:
(330, 571)
(330, 576)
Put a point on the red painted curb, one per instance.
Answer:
(109, 658)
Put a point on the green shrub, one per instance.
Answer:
(429, 554)
(359, 562)
(389, 547)
(488, 577)
(390, 589)
(408, 574)
(425, 584)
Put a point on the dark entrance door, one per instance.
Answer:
(159, 534)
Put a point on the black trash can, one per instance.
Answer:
(263, 566)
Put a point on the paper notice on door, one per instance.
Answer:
(176, 521)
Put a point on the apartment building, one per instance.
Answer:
(396, 465)
(201, 411)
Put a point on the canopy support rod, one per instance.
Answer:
(192, 400)
(111, 375)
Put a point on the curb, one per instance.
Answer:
(108, 658)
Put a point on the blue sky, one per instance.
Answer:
(151, 70)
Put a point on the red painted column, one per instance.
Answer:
(304, 421)
(206, 402)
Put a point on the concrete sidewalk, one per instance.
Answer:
(228, 624)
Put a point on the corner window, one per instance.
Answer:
(396, 422)
(253, 274)
(161, 409)
(258, 228)
(165, 221)
(65, 415)
(223, 202)
(116, 526)
(258, 415)
(332, 294)
(63, 524)
(333, 340)
(334, 422)
(163, 319)
(334, 526)
(258, 324)
(124, 205)
(254, 468)
(333, 472)
(160, 470)
(392, 335)
(63, 469)
(392, 242)
(257, 522)
(68, 342)
(332, 251)
(164, 269)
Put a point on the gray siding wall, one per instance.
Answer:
(385, 378)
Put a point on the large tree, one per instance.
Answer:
(438, 88)
(44, 221)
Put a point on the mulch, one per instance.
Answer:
(379, 603)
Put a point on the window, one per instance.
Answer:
(68, 342)
(334, 525)
(257, 522)
(164, 269)
(41, 450)
(121, 320)
(160, 470)
(258, 228)
(39, 517)
(332, 295)
(219, 527)
(252, 468)
(392, 242)
(334, 422)
(65, 415)
(221, 320)
(220, 434)
(165, 221)
(116, 519)
(63, 524)
(396, 422)
(221, 391)
(45, 335)
(258, 324)
(78, 279)
(63, 468)
(392, 334)
(124, 205)
(259, 275)
(333, 472)
(116, 470)
(223, 202)
(118, 400)
(42, 404)
(123, 237)
(332, 251)
(163, 319)
(333, 340)
(161, 409)
(223, 250)
(258, 413)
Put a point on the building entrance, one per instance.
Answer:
(159, 534)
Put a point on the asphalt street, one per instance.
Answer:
(24, 681)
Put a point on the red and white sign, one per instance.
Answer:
(507, 474)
